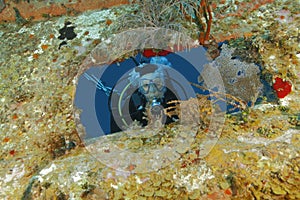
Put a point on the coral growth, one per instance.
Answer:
(195, 111)
(241, 79)
(283, 88)
(257, 156)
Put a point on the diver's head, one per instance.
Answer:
(150, 81)
(152, 86)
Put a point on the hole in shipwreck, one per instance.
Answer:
(122, 88)
(145, 83)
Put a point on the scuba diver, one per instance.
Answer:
(149, 97)
(140, 95)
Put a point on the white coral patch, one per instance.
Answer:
(195, 181)
(16, 173)
(47, 171)
(77, 177)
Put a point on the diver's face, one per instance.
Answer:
(152, 86)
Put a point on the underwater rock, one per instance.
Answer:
(80, 175)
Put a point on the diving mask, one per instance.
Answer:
(151, 85)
